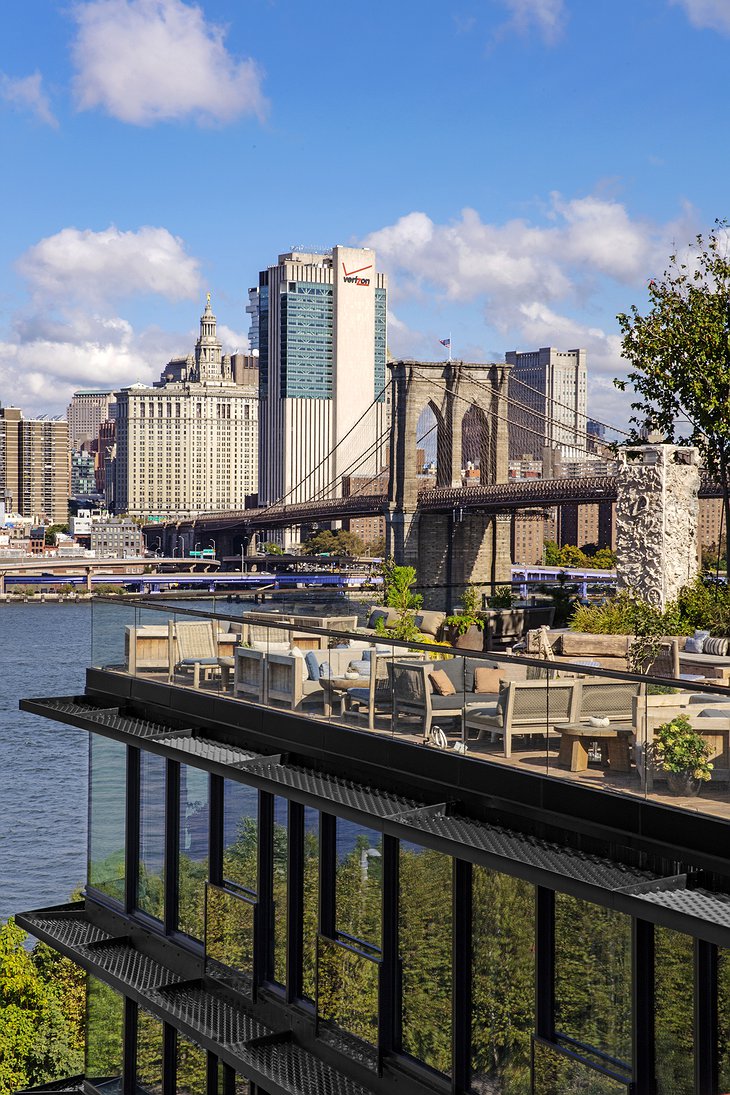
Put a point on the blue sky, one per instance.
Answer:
(523, 167)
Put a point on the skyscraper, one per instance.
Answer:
(548, 402)
(320, 324)
(189, 444)
(34, 465)
(85, 413)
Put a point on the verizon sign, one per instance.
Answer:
(351, 276)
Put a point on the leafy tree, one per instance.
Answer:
(271, 548)
(680, 354)
(339, 542)
(571, 556)
(40, 1022)
(551, 553)
(604, 559)
(52, 533)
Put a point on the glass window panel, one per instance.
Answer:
(557, 1073)
(503, 982)
(723, 1019)
(310, 922)
(107, 814)
(347, 993)
(593, 976)
(104, 1034)
(193, 849)
(149, 1053)
(191, 1068)
(674, 1012)
(280, 888)
(150, 890)
(240, 835)
(230, 1082)
(229, 937)
(424, 944)
(359, 883)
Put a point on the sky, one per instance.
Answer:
(522, 167)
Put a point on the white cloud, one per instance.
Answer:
(146, 61)
(707, 14)
(547, 16)
(530, 279)
(96, 267)
(26, 93)
(71, 334)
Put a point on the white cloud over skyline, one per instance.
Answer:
(706, 14)
(546, 16)
(148, 61)
(71, 334)
(26, 94)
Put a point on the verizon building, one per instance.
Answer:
(320, 324)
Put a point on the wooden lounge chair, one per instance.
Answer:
(197, 649)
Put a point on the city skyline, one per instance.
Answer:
(165, 148)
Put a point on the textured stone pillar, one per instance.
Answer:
(657, 510)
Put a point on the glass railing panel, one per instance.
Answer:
(347, 999)
(112, 624)
(558, 1071)
(229, 938)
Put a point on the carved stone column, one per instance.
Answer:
(657, 510)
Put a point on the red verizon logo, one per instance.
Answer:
(350, 276)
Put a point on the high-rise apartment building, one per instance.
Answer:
(85, 413)
(319, 321)
(34, 465)
(548, 402)
(189, 444)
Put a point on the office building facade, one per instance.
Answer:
(189, 444)
(34, 466)
(319, 321)
(548, 392)
(85, 413)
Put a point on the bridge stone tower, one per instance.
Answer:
(450, 548)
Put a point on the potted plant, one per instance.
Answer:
(464, 629)
(683, 753)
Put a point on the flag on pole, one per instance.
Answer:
(445, 341)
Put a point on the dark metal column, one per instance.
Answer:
(294, 901)
(643, 1005)
(545, 963)
(132, 829)
(461, 983)
(387, 1002)
(172, 839)
(705, 1015)
(264, 935)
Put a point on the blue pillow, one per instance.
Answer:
(312, 665)
(693, 646)
(362, 667)
(326, 671)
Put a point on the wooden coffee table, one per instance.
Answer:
(615, 743)
(335, 691)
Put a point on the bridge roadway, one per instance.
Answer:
(495, 498)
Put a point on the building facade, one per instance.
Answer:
(115, 538)
(287, 906)
(85, 413)
(319, 321)
(548, 391)
(34, 466)
(189, 444)
(83, 473)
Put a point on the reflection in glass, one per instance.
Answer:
(107, 798)
(149, 1053)
(347, 990)
(723, 1019)
(192, 850)
(358, 883)
(424, 944)
(557, 1073)
(593, 976)
(674, 1012)
(229, 932)
(503, 982)
(190, 1064)
(150, 886)
(280, 888)
(104, 1033)
(240, 835)
(310, 921)
(231, 1082)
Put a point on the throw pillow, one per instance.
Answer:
(326, 671)
(312, 665)
(486, 680)
(441, 684)
(715, 647)
(693, 646)
(304, 668)
(362, 668)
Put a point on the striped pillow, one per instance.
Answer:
(718, 647)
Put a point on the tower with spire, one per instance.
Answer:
(210, 363)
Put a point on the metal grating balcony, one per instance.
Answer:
(331, 789)
(206, 749)
(700, 904)
(204, 1010)
(126, 964)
